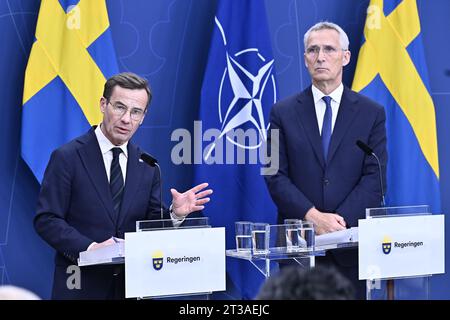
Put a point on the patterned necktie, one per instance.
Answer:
(116, 181)
(326, 127)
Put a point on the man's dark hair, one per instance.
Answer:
(296, 283)
(126, 80)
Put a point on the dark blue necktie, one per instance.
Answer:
(116, 181)
(326, 127)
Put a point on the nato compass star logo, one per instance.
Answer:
(247, 82)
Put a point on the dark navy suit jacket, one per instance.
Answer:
(75, 209)
(347, 182)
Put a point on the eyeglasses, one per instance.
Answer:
(313, 51)
(120, 109)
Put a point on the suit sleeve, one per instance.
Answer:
(284, 193)
(53, 205)
(367, 193)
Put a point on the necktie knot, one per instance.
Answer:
(327, 100)
(116, 152)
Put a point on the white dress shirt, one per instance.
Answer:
(320, 105)
(106, 147)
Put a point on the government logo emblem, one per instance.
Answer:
(158, 259)
(387, 245)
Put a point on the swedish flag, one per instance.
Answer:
(68, 65)
(391, 69)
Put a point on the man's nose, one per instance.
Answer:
(321, 55)
(126, 118)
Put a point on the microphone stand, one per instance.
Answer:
(152, 162)
(390, 285)
(160, 192)
(383, 202)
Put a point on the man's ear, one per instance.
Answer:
(346, 58)
(103, 104)
(143, 117)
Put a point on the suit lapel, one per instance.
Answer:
(133, 180)
(347, 112)
(92, 160)
(307, 116)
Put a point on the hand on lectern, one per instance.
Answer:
(325, 222)
(105, 243)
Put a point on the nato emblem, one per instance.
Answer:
(247, 90)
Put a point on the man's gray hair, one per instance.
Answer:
(343, 38)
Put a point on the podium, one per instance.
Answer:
(400, 248)
(166, 261)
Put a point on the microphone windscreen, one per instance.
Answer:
(364, 147)
(148, 159)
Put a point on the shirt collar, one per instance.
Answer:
(336, 95)
(106, 145)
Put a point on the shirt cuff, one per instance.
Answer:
(177, 221)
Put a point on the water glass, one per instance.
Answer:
(292, 227)
(307, 235)
(243, 236)
(260, 238)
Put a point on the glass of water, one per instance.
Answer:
(244, 236)
(307, 235)
(292, 227)
(260, 238)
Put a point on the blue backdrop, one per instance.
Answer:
(167, 41)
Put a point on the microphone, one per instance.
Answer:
(152, 162)
(148, 159)
(368, 151)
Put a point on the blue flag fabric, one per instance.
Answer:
(69, 63)
(391, 69)
(238, 91)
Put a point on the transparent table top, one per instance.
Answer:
(279, 253)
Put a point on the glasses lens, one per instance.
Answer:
(136, 114)
(120, 110)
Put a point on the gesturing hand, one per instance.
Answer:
(190, 201)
